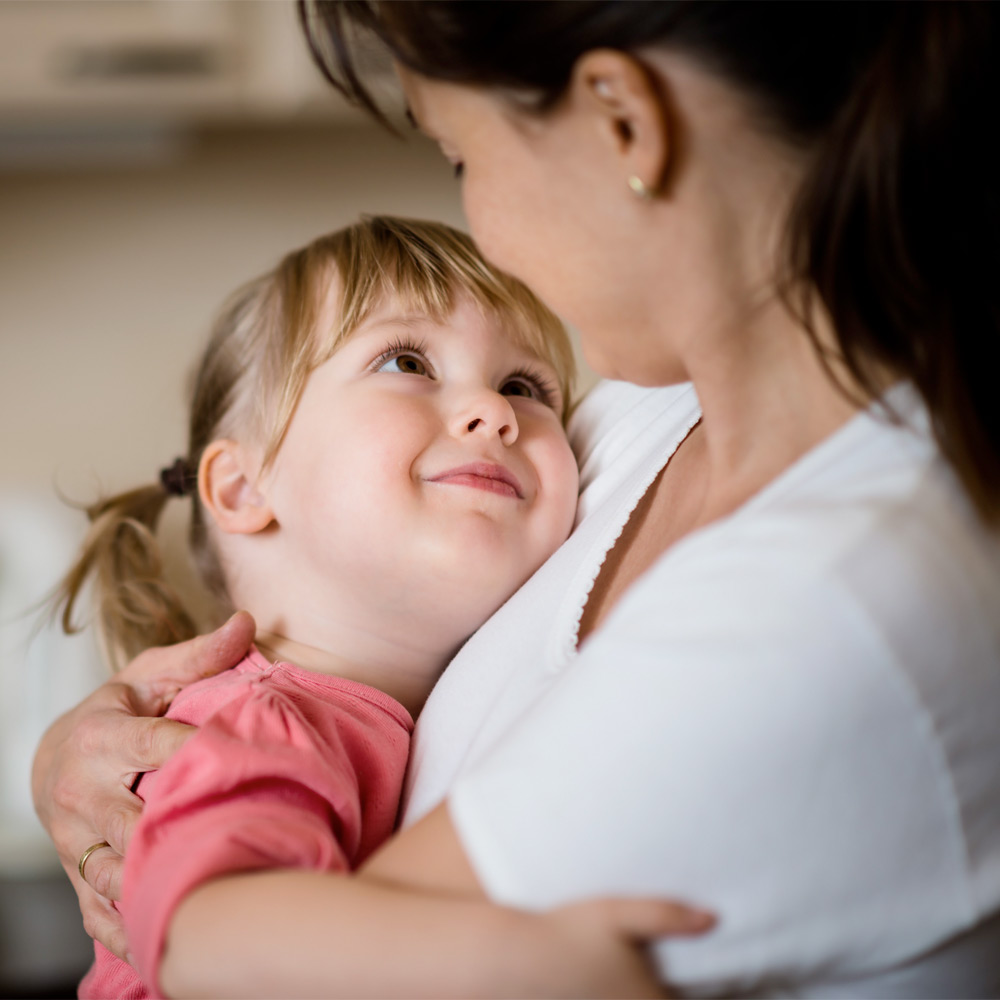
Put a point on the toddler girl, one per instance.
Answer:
(376, 461)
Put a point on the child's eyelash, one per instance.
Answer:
(547, 390)
(398, 346)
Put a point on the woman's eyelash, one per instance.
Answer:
(397, 347)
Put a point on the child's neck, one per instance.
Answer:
(409, 685)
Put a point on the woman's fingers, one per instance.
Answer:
(156, 675)
(597, 948)
(144, 744)
(648, 919)
(88, 759)
(111, 736)
(87, 762)
(86, 782)
(103, 922)
(101, 867)
(83, 788)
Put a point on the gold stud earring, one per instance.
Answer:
(639, 188)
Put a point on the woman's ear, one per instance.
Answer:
(227, 487)
(631, 113)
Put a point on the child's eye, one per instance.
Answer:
(402, 357)
(518, 387)
(530, 385)
(407, 364)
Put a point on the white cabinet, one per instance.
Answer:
(182, 61)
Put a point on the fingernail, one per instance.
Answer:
(700, 919)
(129, 958)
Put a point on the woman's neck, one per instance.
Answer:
(773, 401)
(753, 428)
(767, 397)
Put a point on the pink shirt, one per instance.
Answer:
(289, 769)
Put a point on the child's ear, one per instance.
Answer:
(227, 487)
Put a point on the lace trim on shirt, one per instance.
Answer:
(571, 644)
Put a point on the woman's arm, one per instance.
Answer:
(88, 760)
(427, 857)
(297, 933)
(82, 778)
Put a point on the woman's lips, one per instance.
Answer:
(482, 476)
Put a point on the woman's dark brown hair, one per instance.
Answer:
(895, 229)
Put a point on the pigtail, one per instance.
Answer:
(897, 228)
(135, 607)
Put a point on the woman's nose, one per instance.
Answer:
(486, 412)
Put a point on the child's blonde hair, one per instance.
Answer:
(264, 345)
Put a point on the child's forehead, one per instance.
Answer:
(395, 310)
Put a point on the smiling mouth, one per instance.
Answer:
(482, 476)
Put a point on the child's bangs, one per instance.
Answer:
(426, 267)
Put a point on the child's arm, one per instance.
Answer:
(413, 922)
(309, 934)
(235, 881)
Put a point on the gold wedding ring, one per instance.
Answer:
(87, 853)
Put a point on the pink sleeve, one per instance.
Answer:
(256, 787)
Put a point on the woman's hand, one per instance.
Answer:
(89, 758)
(592, 948)
(599, 948)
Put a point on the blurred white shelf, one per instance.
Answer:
(78, 71)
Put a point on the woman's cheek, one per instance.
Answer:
(495, 237)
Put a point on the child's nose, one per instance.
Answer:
(486, 412)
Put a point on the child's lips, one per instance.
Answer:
(482, 476)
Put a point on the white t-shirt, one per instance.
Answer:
(793, 718)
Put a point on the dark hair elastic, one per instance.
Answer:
(177, 479)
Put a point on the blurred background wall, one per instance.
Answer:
(154, 154)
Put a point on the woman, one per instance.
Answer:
(764, 672)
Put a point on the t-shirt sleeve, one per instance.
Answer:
(257, 787)
(740, 737)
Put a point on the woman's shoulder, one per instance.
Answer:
(876, 497)
(611, 404)
(863, 579)
(864, 566)
(615, 418)
(867, 547)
